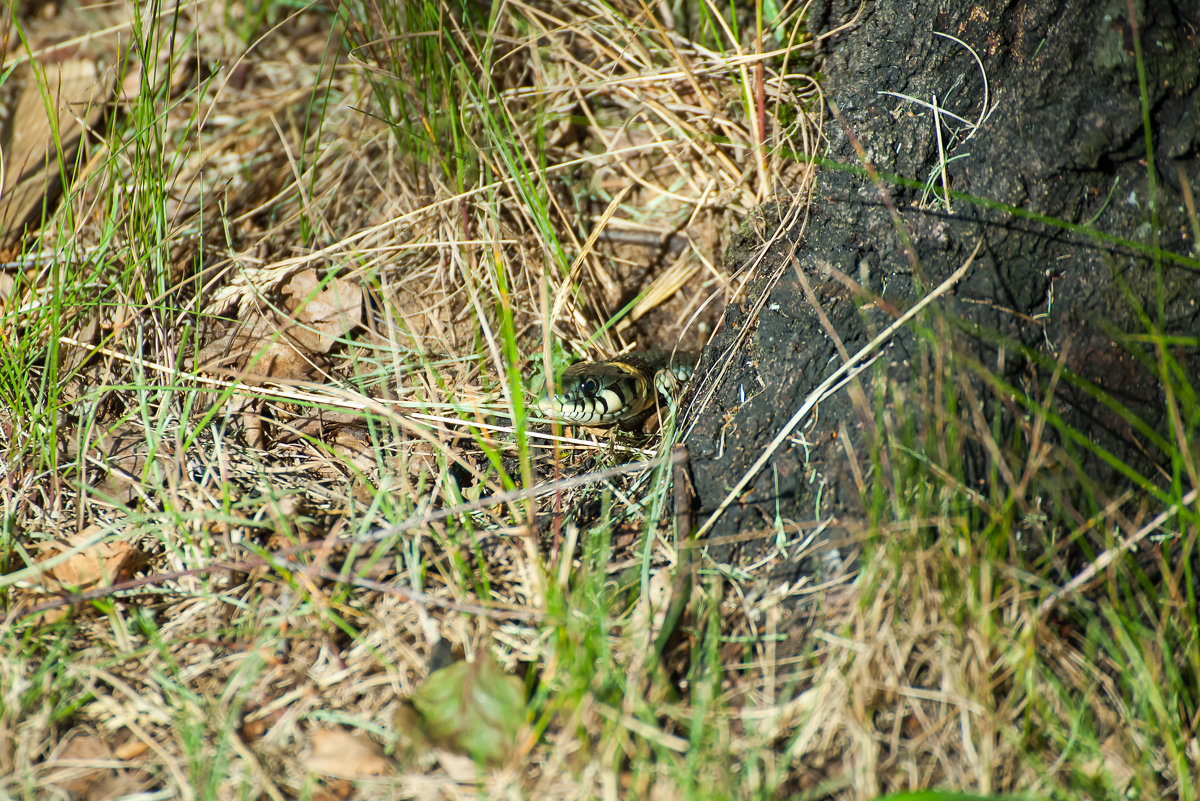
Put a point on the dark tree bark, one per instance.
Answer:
(1062, 136)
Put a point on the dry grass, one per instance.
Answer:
(264, 422)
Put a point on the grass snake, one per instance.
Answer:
(622, 390)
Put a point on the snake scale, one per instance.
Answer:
(622, 390)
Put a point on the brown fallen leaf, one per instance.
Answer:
(324, 314)
(346, 755)
(83, 769)
(31, 169)
(287, 348)
(79, 779)
(122, 454)
(98, 563)
(256, 350)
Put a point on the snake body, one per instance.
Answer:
(621, 390)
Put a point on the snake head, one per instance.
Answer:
(598, 393)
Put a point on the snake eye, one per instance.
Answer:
(588, 387)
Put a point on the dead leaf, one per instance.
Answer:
(257, 350)
(80, 770)
(122, 453)
(76, 96)
(99, 563)
(115, 786)
(323, 314)
(346, 755)
(288, 349)
(423, 315)
(78, 780)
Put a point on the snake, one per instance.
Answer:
(622, 390)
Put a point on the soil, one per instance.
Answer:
(1063, 138)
